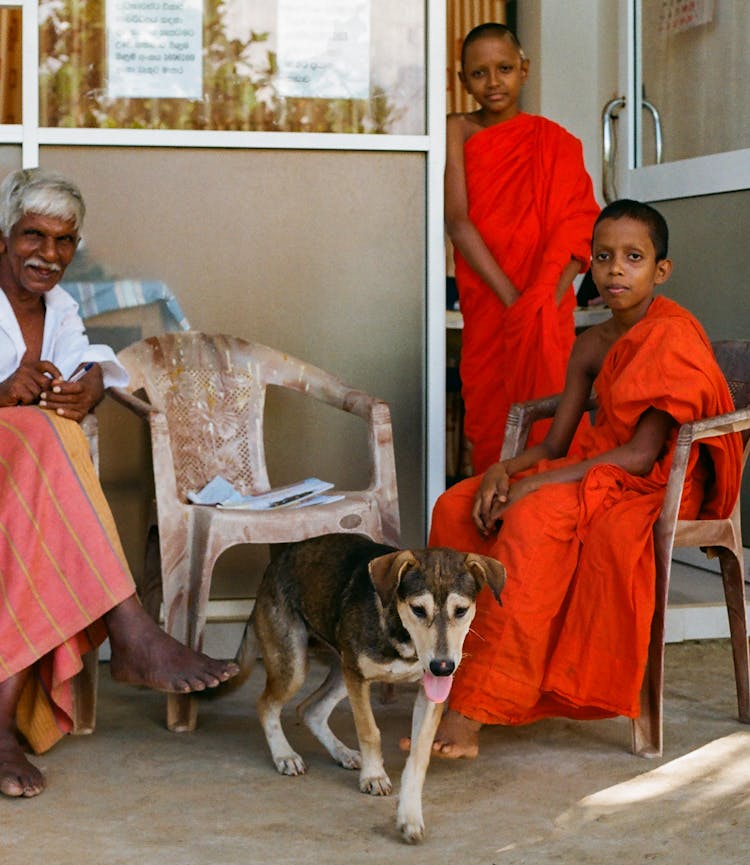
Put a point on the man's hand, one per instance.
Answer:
(27, 383)
(73, 399)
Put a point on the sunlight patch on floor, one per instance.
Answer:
(698, 781)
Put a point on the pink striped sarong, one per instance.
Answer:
(61, 564)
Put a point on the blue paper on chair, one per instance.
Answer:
(221, 493)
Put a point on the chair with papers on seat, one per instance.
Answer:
(204, 402)
(721, 538)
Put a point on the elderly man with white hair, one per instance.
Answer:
(64, 581)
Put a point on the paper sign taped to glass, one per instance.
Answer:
(324, 49)
(155, 49)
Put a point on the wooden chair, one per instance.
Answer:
(204, 402)
(721, 538)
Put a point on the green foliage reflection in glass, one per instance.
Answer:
(239, 90)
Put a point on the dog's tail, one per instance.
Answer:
(246, 656)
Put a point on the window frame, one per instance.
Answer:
(30, 136)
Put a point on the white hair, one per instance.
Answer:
(47, 193)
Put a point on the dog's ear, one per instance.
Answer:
(487, 571)
(386, 572)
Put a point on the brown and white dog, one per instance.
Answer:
(388, 615)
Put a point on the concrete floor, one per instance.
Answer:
(554, 792)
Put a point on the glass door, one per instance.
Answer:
(684, 112)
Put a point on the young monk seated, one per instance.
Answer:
(64, 581)
(573, 524)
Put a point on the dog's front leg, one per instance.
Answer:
(372, 776)
(424, 724)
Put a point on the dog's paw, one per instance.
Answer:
(377, 785)
(348, 758)
(409, 818)
(291, 764)
(412, 831)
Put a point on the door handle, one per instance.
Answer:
(610, 113)
(658, 149)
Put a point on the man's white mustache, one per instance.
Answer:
(45, 265)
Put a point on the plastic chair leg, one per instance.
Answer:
(85, 689)
(734, 592)
(182, 713)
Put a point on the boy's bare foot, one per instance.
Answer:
(18, 777)
(457, 736)
(143, 654)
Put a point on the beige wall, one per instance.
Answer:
(321, 254)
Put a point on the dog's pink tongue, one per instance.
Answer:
(436, 688)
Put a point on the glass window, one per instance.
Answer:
(348, 66)
(695, 69)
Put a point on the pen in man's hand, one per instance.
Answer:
(77, 376)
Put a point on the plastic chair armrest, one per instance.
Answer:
(125, 397)
(689, 433)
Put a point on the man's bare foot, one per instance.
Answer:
(457, 736)
(18, 777)
(143, 654)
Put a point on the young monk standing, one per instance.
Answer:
(573, 525)
(519, 207)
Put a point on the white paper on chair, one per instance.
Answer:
(221, 493)
(215, 491)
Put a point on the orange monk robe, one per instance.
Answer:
(532, 201)
(572, 635)
(61, 564)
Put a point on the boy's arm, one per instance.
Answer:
(570, 272)
(570, 219)
(637, 457)
(461, 230)
(583, 366)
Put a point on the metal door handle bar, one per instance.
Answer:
(610, 113)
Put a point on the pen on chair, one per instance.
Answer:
(81, 372)
(289, 499)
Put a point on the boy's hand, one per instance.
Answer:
(521, 488)
(74, 399)
(496, 493)
(27, 383)
(491, 498)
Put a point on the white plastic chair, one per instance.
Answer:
(204, 402)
